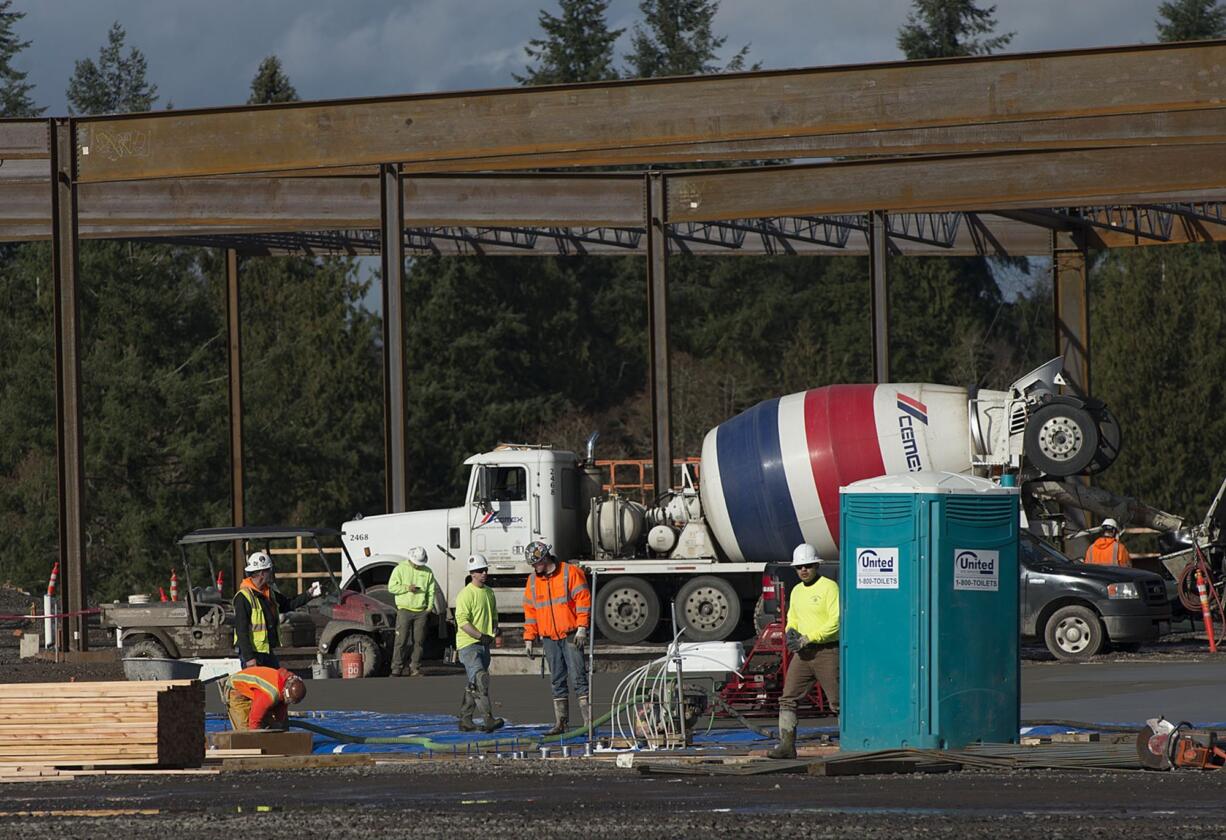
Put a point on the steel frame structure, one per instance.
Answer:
(949, 156)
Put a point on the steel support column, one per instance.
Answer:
(234, 353)
(395, 378)
(70, 460)
(657, 332)
(1071, 304)
(878, 255)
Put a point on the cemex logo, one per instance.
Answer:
(912, 410)
(869, 559)
(493, 518)
(969, 562)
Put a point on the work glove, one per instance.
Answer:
(795, 641)
(486, 640)
(528, 649)
(581, 638)
(316, 589)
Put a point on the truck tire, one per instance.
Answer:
(1074, 633)
(372, 654)
(708, 609)
(627, 610)
(145, 649)
(1061, 439)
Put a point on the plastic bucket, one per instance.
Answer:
(351, 665)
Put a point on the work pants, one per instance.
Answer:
(565, 660)
(476, 661)
(410, 630)
(813, 664)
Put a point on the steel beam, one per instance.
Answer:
(234, 355)
(577, 119)
(878, 258)
(25, 140)
(656, 222)
(395, 377)
(70, 451)
(1071, 302)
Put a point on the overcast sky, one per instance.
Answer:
(204, 53)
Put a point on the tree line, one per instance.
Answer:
(530, 348)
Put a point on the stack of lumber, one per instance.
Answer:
(93, 724)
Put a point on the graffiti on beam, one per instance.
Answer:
(117, 145)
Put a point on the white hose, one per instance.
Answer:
(644, 703)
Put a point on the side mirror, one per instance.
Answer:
(485, 481)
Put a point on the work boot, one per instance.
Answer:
(560, 716)
(467, 706)
(585, 711)
(787, 736)
(468, 725)
(493, 724)
(397, 672)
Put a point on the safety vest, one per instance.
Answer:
(557, 604)
(1108, 551)
(259, 622)
(260, 680)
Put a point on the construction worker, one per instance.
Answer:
(259, 697)
(257, 612)
(415, 589)
(557, 610)
(476, 619)
(1107, 550)
(813, 638)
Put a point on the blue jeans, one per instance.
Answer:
(475, 658)
(565, 659)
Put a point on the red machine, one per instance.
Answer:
(756, 693)
(1162, 745)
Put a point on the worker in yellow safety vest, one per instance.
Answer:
(813, 637)
(257, 612)
(415, 589)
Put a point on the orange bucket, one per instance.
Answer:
(351, 665)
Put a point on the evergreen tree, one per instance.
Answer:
(675, 39)
(577, 47)
(271, 84)
(1191, 20)
(115, 84)
(949, 28)
(15, 98)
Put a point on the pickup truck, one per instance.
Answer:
(1079, 609)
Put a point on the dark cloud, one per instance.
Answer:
(205, 53)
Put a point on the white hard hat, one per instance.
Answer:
(477, 562)
(259, 562)
(1111, 523)
(417, 556)
(805, 555)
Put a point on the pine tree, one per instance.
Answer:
(15, 98)
(578, 46)
(675, 39)
(1191, 20)
(271, 84)
(949, 28)
(115, 84)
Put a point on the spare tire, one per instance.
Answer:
(1061, 439)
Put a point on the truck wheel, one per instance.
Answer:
(1061, 439)
(372, 655)
(627, 610)
(708, 608)
(145, 649)
(1074, 633)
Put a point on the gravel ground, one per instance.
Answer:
(491, 799)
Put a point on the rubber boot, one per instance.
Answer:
(585, 711)
(561, 716)
(467, 707)
(787, 736)
(485, 706)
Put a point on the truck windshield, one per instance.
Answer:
(1035, 550)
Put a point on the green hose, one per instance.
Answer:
(430, 744)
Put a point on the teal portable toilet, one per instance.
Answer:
(928, 587)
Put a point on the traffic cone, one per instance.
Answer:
(174, 586)
(162, 592)
(55, 573)
(221, 576)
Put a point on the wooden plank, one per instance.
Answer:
(272, 743)
(299, 762)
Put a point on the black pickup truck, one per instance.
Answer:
(1078, 609)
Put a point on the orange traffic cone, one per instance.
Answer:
(220, 580)
(55, 573)
(162, 592)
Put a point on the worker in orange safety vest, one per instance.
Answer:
(558, 611)
(1107, 550)
(259, 697)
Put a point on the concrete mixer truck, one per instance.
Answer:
(770, 479)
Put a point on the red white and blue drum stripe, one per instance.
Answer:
(771, 475)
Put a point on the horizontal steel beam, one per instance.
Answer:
(25, 139)
(574, 120)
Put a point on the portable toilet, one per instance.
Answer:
(929, 600)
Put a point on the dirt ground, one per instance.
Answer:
(577, 798)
